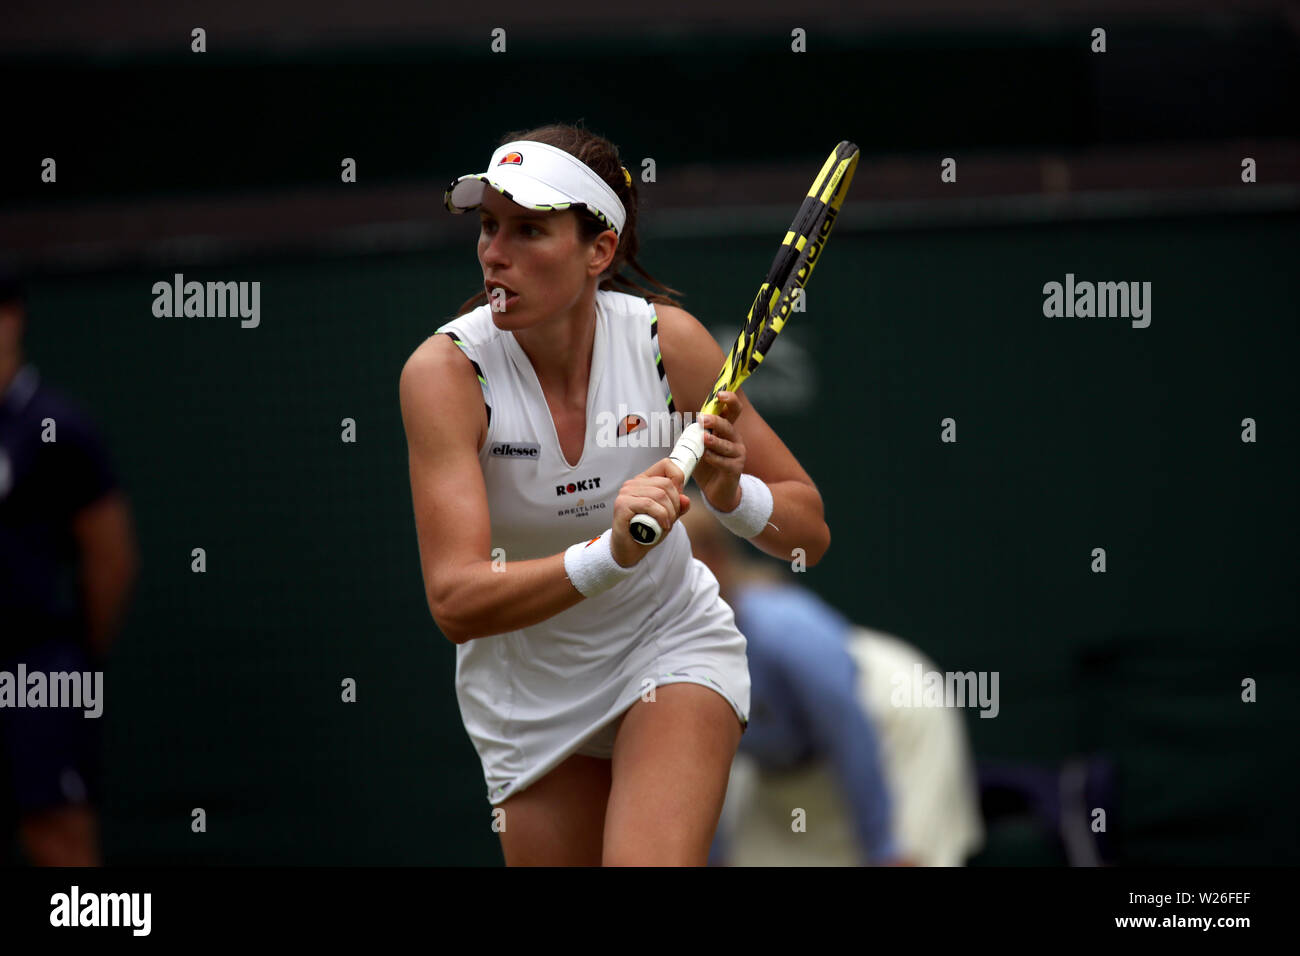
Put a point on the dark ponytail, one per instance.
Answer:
(602, 156)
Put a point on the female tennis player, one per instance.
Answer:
(603, 683)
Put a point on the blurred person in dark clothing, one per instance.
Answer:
(67, 564)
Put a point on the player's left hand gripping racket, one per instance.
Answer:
(791, 269)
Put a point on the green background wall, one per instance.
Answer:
(1073, 434)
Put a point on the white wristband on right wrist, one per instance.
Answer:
(591, 568)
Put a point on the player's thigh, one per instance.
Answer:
(560, 819)
(671, 761)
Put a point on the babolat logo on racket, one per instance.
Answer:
(587, 484)
(516, 449)
(641, 533)
(815, 249)
(513, 159)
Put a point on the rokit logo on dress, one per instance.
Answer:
(580, 508)
(588, 484)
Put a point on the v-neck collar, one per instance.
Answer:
(525, 366)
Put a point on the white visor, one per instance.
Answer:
(538, 176)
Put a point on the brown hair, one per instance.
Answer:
(602, 157)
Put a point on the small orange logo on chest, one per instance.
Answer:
(630, 424)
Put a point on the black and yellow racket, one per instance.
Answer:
(800, 250)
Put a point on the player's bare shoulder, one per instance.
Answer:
(691, 355)
(439, 390)
(676, 324)
(433, 367)
(433, 354)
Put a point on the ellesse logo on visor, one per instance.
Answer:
(514, 159)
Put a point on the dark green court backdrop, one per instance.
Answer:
(1072, 434)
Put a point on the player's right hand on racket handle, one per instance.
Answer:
(656, 493)
(645, 527)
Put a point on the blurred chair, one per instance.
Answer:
(1052, 806)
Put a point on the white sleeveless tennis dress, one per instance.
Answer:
(533, 697)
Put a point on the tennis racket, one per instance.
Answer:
(785, 282)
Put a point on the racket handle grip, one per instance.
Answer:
(686, 454)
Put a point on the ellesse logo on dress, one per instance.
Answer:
(629, 424)
(516, 449)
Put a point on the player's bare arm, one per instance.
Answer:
(446, 423)
(691, 361)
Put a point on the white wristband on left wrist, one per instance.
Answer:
(750, 517)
